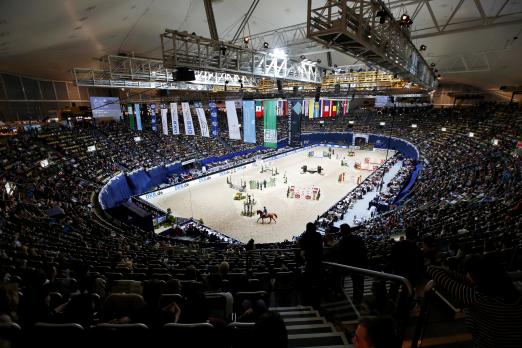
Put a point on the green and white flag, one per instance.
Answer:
(270, 130)
(131, 116)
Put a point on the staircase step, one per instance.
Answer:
(304, 321)
(291, 309)
(300, 314)
(309, 329)
(332, 339)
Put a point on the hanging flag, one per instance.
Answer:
(164, 122)
(203, 126)
(270, 124)
(131, 117)
(213, 119)
(311, 108)
(294, 122)
(325, 108)
(187, 119)
(174, 118)
(249, 121)
(153, 116)
(259, 108)
(305, 108)
(138, 116)
(233, 124)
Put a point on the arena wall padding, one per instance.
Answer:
(121, 187)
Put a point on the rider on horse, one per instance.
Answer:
(265, 212)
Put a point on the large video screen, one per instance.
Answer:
(381, 101)
(106, 107)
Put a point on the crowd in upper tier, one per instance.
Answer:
(467, 199)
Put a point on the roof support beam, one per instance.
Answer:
(211, 20)
(452, 14)
(481, 11)
(432, 15)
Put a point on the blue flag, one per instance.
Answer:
(138, 116)
(213, 119)
(153, 116)
(249, 121)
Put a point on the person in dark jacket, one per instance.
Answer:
(352, 252)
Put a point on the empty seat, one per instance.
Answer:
(117, 306)
(120, 335)
(56, 335)
(10, 333)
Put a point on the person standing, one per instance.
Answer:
(493, 305)
(311, 244)
(352, 252)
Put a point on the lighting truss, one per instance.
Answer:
(183, 50)
(133, 72)
(353, 27)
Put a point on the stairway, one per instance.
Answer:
(306, 328)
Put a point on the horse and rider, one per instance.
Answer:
(264, 214)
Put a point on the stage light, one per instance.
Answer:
(495, 142)
(405, 18)
(303, 57)
(265, 44)
(318, 61)
(246, 40)
(443, 129)
(423, 47)
(432, 65)
(413, 125)
(279, 53)
(471, 134)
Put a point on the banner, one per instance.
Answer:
(138, 116)
(174, 118)
(294, 121)
(187, 119)
(270, 123)
(311, 104)
(259, 108)
(203, 125)
(153, 116)
(249, 121)
(131, 117)
(233, 124)
(164, 122)
(213, 119)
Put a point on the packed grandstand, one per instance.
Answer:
(66, 260)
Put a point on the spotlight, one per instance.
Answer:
(405, 18)
(423, 47)
(436, 70)
(432, 65)
(246, 39)
(223, 50)
(265, 44)
(439, 76)
(335, 66)
(303, 57)
(318, 61)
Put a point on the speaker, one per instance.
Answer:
(296, 89)
(392, 99)
(185, 74)
(337, 88)
(164, 93)
(279, 86)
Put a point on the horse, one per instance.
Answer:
(262, 216)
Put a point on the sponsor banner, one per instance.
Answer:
(203, 126)
(174, 118)
(294, 122)
(164, 122)
(270, 124)
(187, 119)
(233, 124)
(213, 119)
(153, 116)
(131, 117)
(138, 116)
(249, 121)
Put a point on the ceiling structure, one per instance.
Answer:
(471, 42)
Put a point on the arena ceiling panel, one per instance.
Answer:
(471, 41)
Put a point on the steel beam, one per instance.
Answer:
(211, 20)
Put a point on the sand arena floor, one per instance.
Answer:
(213, 201)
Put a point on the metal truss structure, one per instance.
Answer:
(361, 77)
(132, 72)
(354, 27)
(183, 50)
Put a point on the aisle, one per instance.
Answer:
(360, 208)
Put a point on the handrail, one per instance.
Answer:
(373, 273)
